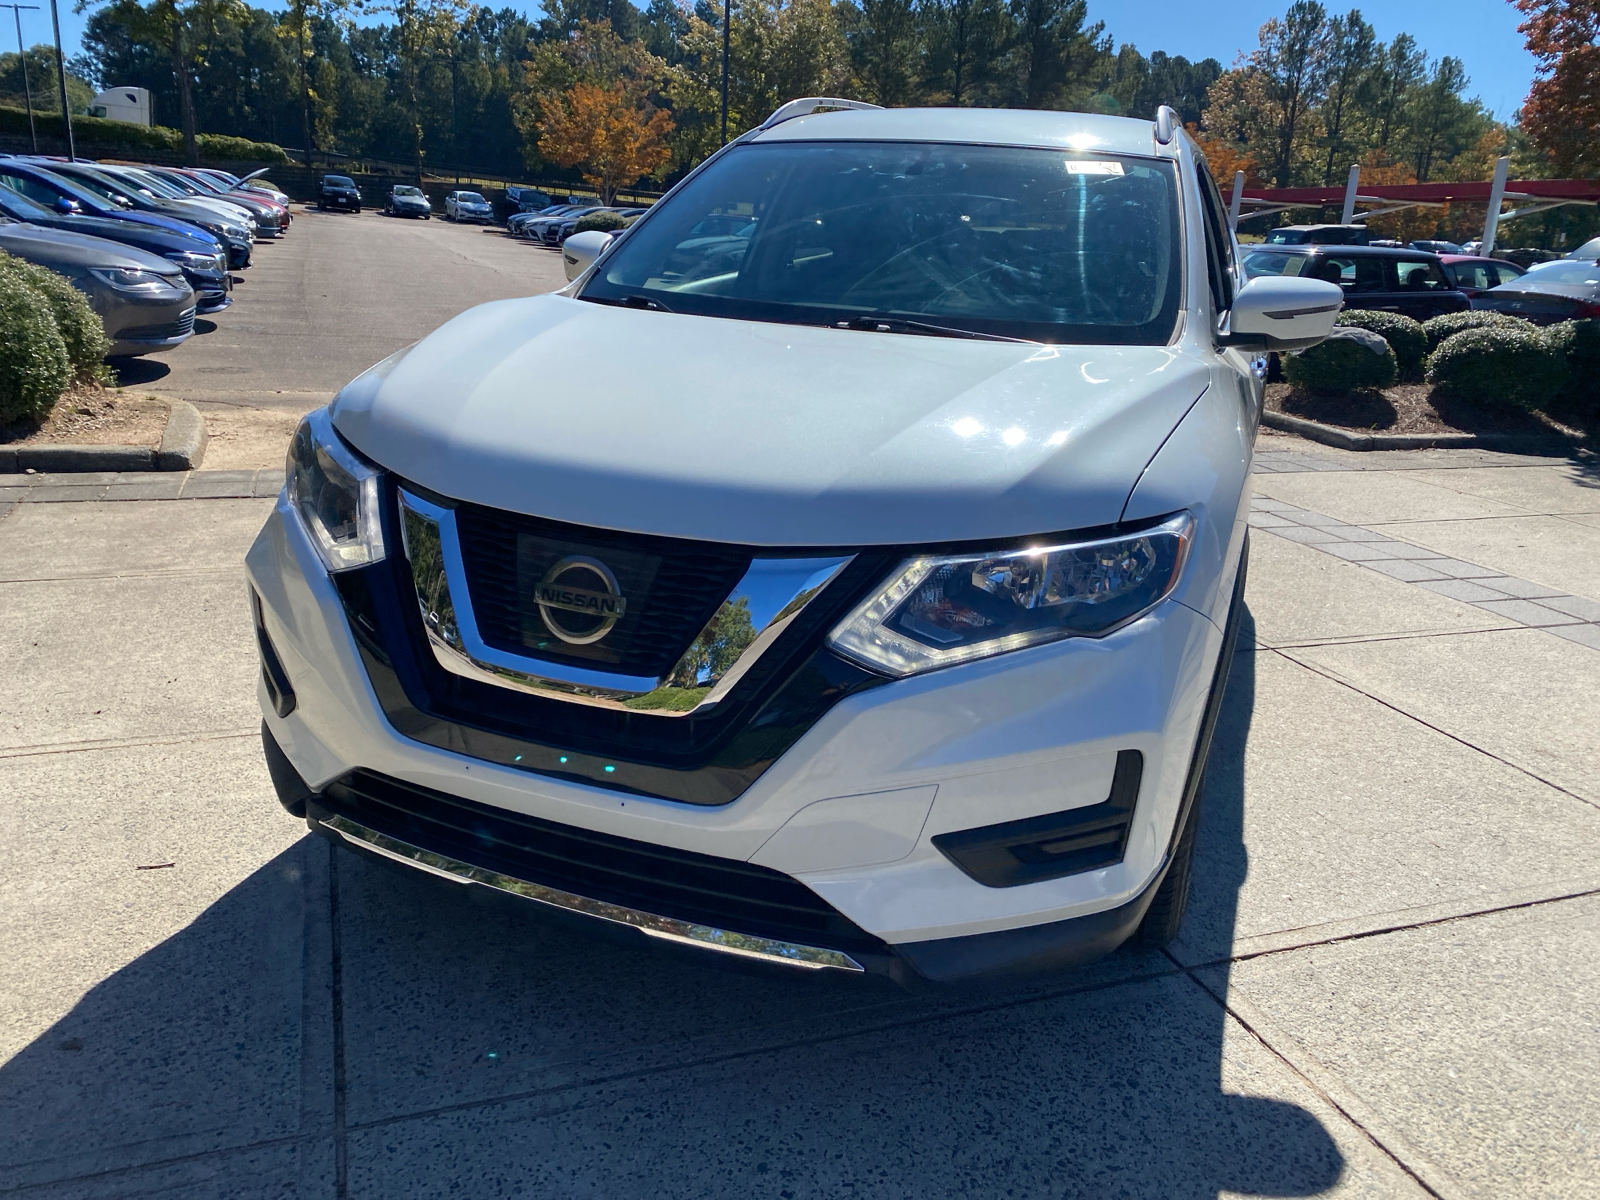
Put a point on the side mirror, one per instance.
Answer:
(1281, 312)
(66, 206)
(581, 249)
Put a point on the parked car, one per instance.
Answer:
(204, 264)
(467, 206)
(155, 187)
(1318, 235)
(550, 231)
(407, 201)
(143, 300)
(1435, 246)
(267, 214)
(557, 232)
(963, 444)
(1565, 290)
(1590, 250)
(74, 188)
(279, 216)
(340, 192)
(1472, 274)
(1527, 257)
(252, 182)
(519, 222)
(521, 200)
(1404, 281)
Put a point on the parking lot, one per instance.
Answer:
(319, 307)
(1386, 986)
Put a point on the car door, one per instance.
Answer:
(1222, 270)
(1361, 277)
(1421, 288)
(1472, 278)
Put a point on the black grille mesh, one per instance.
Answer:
(182, 327)
(672, 587)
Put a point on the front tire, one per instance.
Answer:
(1164, 917)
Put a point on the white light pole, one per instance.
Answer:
(1491, 220)
(1350, 187)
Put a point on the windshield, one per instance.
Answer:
(153, 185)
(469, 198)
(1009, 241)
(407, 192)
(338, 181)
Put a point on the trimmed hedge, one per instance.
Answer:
(1404, 335)
(1578, 343)
(102, 132)
(1439, 328)
(605, 222)
(1340, 364)
(80, 327)
(34, 367)
(1499, 365)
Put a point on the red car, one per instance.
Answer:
(1474, 275)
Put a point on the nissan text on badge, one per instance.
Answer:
(841, 572)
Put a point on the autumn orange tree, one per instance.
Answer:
(1562, 112)
(610, 134)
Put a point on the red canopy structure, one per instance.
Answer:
(1533, 196)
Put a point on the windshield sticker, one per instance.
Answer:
(1094, 167)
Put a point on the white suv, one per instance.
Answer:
(841, 572)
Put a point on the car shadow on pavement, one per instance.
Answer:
(452, 1046)
(131, 372)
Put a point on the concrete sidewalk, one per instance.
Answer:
(1386, 986)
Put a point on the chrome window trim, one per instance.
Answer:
(458, 646)
(670, 929)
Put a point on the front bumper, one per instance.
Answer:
(851, 811)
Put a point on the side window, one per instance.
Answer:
(1219, 245)
(1507, 274)
(1420, 277)
(30, 188)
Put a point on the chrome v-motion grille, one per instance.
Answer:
(597, 617)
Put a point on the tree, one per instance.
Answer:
(420, 25)
(885, 50)
(606, 133)
(1562, 112)
(1398, 68)
(1350, 50)
(963, 38)
(1052, 53)
(1292, 64)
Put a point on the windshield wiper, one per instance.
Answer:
(904, 325)
(633, 301)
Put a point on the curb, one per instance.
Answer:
(1344, 439)
(183, 446)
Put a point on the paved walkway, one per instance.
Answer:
(1387, 984)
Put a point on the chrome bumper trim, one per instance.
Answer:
(669, 929)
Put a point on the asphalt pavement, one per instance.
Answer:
(1388, 984)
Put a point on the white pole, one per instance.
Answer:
(1491, 220)
(1238, 197)
(1350, 188)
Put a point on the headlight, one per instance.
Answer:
(195, 261)
(935, 612)
(336, 495)
(131, 279)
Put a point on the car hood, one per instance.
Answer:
(57, 248)
(767, 434)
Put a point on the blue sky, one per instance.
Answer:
(1482, 33)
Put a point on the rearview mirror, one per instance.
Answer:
(581, 249)
(1281, 312)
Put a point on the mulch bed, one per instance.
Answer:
(94, 416)
(1413, 408)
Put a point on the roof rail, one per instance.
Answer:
(1167, 124)
(807, 105)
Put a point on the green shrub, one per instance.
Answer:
(1499, 365)
(1405, 336)
(99, 131)
(1346, 362)
(605, 222)
(34, 368)
(1439, 328)
(81, 329)
(1578, 343)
